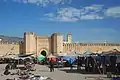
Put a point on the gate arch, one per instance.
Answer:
(43, 51)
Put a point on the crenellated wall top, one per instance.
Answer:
(29, 33)
(14, 43)
(92, 44)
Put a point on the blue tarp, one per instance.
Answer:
(98, 58)
(70, 59)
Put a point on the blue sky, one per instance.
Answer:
(87, 20)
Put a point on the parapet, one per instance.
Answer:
(92, 44)
(7, 42)
(42, 37)
(55, 34)
(29, 33)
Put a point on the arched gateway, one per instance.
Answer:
(43, 52)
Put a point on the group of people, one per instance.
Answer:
(9, 66)
(91, 64)
(28, 65)
(100, 63)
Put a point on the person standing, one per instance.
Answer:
(6, 72)
(71, 64)
(104, 64)
(79, 63)
(113, 63)
(51, 65)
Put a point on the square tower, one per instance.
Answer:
(30, 42)
(57, 43)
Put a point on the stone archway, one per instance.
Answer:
(44, 53)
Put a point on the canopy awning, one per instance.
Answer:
(62, 54)
(70, 59)
(11, 56)
(25, 55)
(111, 52)
(87, 53)
(50, 56)
(40, 58)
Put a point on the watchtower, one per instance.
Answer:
(69, 38)
(30, 42)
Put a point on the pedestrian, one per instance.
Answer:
(71, 64)
(113, 63)
(7, 66)
(79, 63)
(51, 66)
(6, 72)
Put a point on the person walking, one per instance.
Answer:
(113, 63)
(79, 63)
(71, 64)
(51, 66)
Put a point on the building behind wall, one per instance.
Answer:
(52, 45)
(69, 38)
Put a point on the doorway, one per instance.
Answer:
(43, 53)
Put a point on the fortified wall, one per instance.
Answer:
(92, 47)
(53, 44)
(9, 48)
(69, 46)
(48, 44)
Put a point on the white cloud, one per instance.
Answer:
(32, 1)
(91, 17)
(56, 1)
(113, 12)
(60, 17)
(92, 12)
(49, 14)
(95, 8)
(74, 14)
(43, 2)
(67, 19)
(68, 12)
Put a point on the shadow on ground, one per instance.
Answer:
(21, 68)
(78, 71)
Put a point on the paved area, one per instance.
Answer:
(58, 74)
